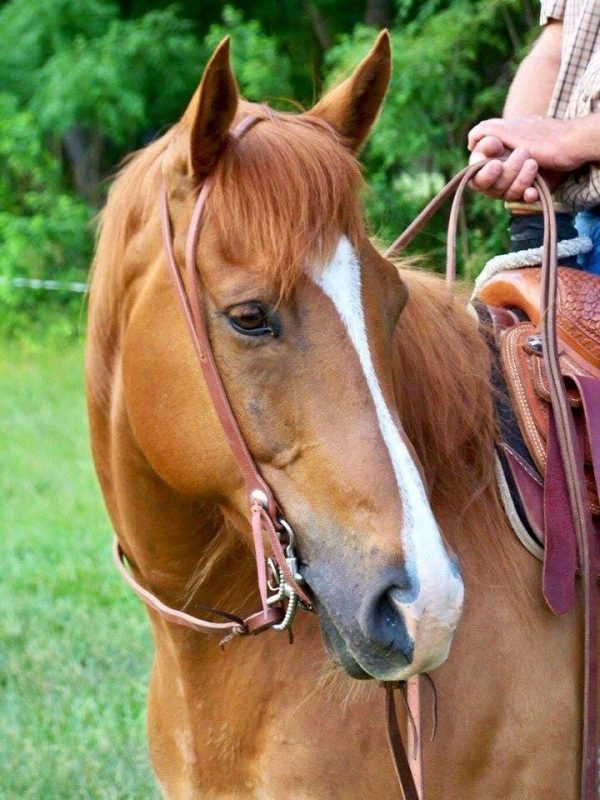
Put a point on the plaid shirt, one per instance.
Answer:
(577, 89)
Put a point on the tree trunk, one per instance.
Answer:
(379, 13)
(83, 147)
(318, 25)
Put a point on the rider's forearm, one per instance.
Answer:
(531, 90)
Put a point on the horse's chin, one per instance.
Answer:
(365, 665)
(338, 650)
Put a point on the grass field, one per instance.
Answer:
(74, 644)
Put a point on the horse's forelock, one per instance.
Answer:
(283, 195)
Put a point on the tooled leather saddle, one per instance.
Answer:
(528, 450)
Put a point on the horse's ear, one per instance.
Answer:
(211, 111)
(352, 107)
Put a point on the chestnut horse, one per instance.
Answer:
(362, 392)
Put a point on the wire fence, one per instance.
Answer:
(49, 285)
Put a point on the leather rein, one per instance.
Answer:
(279, 581)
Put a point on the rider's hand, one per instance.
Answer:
(509, 176)
(556, 144)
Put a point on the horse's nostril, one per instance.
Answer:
(392, 625)
(382, 621)
(402, 594)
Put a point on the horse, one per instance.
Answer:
(362, 389)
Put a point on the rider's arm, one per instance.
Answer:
(556, 144)
(529, 94)
(531, 90)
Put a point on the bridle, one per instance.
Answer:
(278, 577)
(279, 582)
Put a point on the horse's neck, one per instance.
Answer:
(181, 546)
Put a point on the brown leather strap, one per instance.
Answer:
(265, 514)
(414, 733)
(560, 539)
(417, 225)
(196, 324)
(235, 625)
(258, 491)
(397, 749)
(572, 463)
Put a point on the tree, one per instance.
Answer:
(452, 64)
(44, 230)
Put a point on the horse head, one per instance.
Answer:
(301, 311)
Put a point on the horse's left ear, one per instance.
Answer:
(352, 107)
(211, 112)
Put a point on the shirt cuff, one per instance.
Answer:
(552, 9)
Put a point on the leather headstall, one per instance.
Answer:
(267, 518)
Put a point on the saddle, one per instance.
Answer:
(512, 300)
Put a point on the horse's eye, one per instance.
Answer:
(252, 319)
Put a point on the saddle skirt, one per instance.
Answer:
(512, 299)
(525, 374)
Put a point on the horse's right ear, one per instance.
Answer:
(211, 112)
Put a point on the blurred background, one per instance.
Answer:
(82, 83)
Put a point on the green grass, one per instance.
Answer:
(74, 644)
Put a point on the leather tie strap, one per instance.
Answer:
(397, 749)
(235, 626)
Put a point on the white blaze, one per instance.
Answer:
(435, 612)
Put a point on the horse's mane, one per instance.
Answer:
(442, 374)
(132, 200)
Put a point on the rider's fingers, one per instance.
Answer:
(531, 195)
(523, 181)
(511, 169)
(484, 129)
(488, 147)
(487, 176)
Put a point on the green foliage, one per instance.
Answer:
(31, 31)
(87, 81)
(450, 70)
(79, 70)
(45, 231)
(137, 75)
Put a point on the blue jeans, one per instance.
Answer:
(588, 224)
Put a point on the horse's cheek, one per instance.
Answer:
(167, 406)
